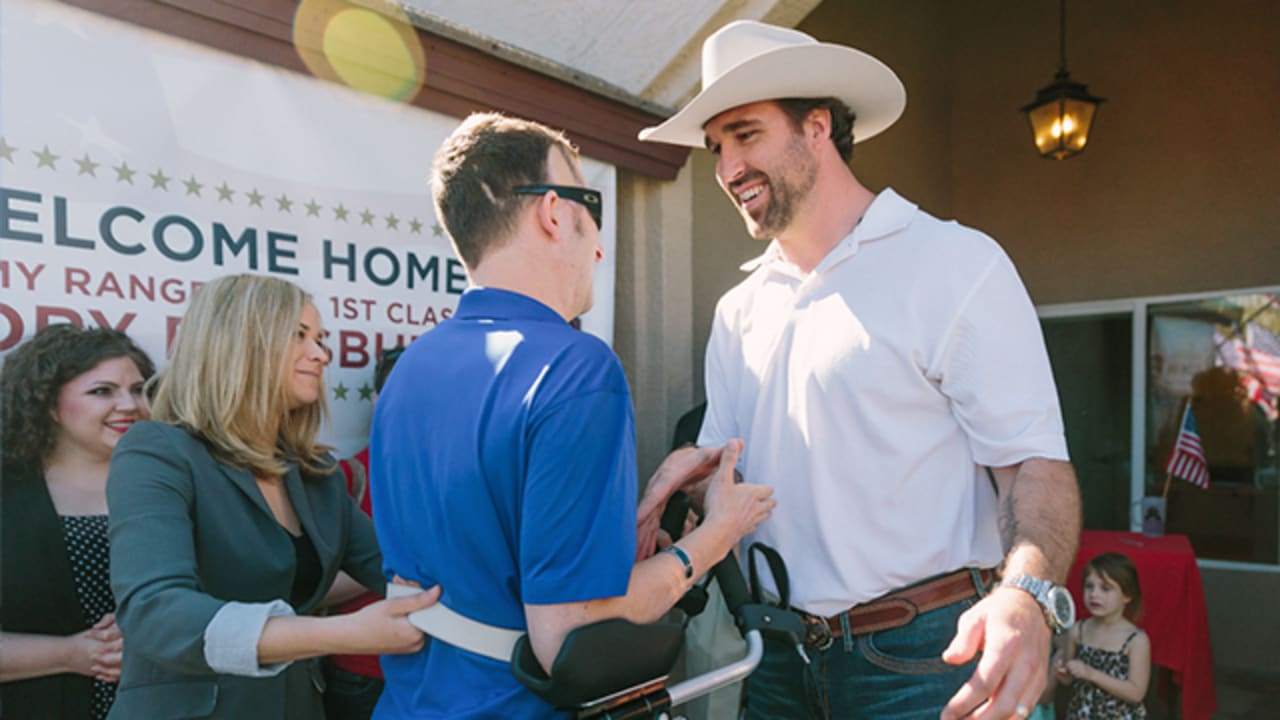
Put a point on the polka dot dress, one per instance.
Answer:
(86, 538)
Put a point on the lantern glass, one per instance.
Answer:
(1061, 126)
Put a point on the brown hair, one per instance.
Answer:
(1120, 569)
(35, 372)
(475, 170)
(797, 109)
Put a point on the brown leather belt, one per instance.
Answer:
(897, 608)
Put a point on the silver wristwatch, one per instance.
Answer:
(1059, 608)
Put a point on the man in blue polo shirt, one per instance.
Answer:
(505, 438)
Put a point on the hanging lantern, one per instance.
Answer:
(1063, 112)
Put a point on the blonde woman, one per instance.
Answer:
(229, 522)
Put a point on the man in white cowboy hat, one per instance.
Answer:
(877, 361)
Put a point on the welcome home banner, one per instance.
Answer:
(135, 166)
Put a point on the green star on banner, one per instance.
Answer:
(255, 197)
(6, 151)
(393, 222)
(340, 391)
(284, 204)
(436, 230)
(340, 213)
(46, 158)
(124, 173)
(313, 209)
(415, 226)
(193, 187)
(159, 180)
(224, 192)
(366, 392)
(366, 218)
(88, 166)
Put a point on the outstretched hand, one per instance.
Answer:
(737, 507)
(1009, 627)
(681, 470)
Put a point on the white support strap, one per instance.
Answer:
(445, 625)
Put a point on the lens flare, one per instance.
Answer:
(376, 52)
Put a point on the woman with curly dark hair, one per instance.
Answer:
(66, 397)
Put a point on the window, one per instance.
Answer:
(1133, 374)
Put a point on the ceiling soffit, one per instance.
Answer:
(645, 54)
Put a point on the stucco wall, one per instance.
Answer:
(1176, 192)
(652, 333)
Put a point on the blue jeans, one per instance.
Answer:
(893, 674)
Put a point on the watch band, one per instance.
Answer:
(1034, 585)
(1059, 610)
(683, 557)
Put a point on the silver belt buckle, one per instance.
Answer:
(817, 633)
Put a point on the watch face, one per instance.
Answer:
(1062, 607)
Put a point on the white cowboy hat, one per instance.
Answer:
(747, 61)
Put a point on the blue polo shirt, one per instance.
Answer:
(505, 446)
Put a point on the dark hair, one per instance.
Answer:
(34, 374)
(797, 109)
(1119, 568)
(382, 368)
(475, 170)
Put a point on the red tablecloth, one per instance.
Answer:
(1174, 614)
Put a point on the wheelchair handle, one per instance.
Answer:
(700, 685)
(728, 573)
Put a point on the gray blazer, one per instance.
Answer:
(198, 563)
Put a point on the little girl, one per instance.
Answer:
(1107, 659)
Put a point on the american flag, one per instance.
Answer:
(1258, 362)
(1187, 458)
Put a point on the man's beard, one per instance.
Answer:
(787, 189)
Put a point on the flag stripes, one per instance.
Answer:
(1258, 362)
(1187, 460)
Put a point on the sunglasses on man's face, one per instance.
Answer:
(586, 197)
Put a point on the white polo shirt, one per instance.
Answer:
(869, 393)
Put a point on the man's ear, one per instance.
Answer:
(817, 125)
(545, 209)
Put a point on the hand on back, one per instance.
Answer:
(383, 627)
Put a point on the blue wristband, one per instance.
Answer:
(684, 560)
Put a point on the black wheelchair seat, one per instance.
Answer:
(599, 659)
(617, 669)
